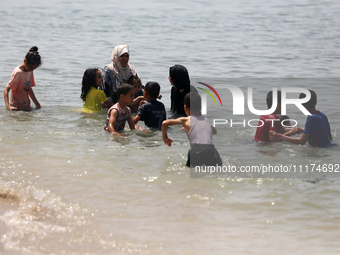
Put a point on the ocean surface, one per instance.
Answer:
(67, 187)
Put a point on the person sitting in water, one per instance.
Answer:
(118, 72)
(93, 98)
(119, 113)
(179, 78)
(152, 113)
(199, 132)
(317, 129)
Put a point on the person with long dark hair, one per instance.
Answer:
(92, 97)
(179, 78)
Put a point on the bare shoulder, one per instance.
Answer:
(114, 112)
(178, 121)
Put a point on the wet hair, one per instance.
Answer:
(152, 88)
(89, 80)
(193, 101)
(179, 76)
(269, 98)
(312, 101)
(123, 89)
(32, 57)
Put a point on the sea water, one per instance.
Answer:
(67, 187)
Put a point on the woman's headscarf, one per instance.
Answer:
(122, 73)
(179, 76)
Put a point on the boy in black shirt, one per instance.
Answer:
(152, 113)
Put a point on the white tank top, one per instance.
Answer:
(200, 130)
(121, 119)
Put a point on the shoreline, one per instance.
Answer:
(6, 204)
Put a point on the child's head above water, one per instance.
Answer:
(92, 78)
(193, 102)
(153, 89)
(137, 83)
(124, 89)
(32, 57)
(285, 120)
(312, 101)
(32, 60)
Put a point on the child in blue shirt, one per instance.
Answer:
(317, 129)
(152, 113)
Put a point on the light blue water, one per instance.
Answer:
(68, 188)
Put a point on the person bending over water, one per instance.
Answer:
(21, 83)
(317, 129)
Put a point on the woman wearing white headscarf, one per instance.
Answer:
(118, 72)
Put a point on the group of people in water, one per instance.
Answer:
(119, 89)
(317, 131)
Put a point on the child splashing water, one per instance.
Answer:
(199, 132)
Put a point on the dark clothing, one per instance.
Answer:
(152, 113)
(318, 129)
(110, 84)
(179, 76)
(177, 99)
(140, 93)
(203, 154)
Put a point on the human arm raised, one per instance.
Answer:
(135, 103)
(184, 121)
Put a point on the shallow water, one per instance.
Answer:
(69, 188)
